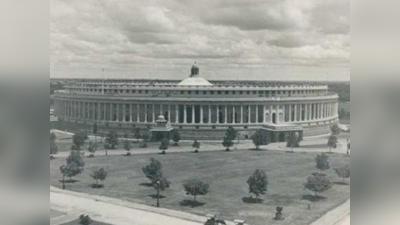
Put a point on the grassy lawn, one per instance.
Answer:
(228, 173)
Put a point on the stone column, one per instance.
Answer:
(271, 112)
(124, 112)
(153, 114)
(249, 114)
(201, 113)
(105, 112)
(290, 113)
(137, 112)
(145, 113)
(209, 114)
(177, 114)
(130, 112)
(295, 113)
(169, 113)
(217, 114)
(193, 114)
(185, 114)
(264, 116)
(305, 112)
(226, 114)
(257, 113)
(94, 110)
(233, 114)
(241, 113)
(98, 111)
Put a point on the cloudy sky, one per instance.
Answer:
(229, 39)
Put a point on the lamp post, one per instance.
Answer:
(348, 147)
(158, 193)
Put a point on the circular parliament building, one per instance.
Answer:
(197, 108)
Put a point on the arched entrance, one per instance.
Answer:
(274, 118)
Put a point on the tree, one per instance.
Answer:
(112, 139)
(85, 220)
(258, 183)
(153, 170)
(318, 182)
(258, 139)
(176, 137)
(231, 133)
(332, 142)
(78, 140)
(53, 145)
(77, 158)
(145, 138)
(160, 185)
(227, 143)
(99, 174)
(164, 145)
(94, 134)
(75, 164)
(137, 134)
(53, 136)
(335, 129)
(343, 172)
(70, 170)
(92, 148)
(293, 140)
(196, 187)
(127, 147)
(342, 113)
(322, 162)
(196, 146)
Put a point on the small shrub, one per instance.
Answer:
(85, 220)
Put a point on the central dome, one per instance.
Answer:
(195, 79)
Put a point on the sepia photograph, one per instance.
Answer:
(183, 112)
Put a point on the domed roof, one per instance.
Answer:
(195, 81)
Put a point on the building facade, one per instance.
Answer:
(199, 109)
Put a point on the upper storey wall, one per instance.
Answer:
(219, 89)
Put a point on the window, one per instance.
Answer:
(122, 91)
(204, 92)
(254, 92)
(241, 92)
(261, 92)
(133, 91)
(197, 127)
(146, 91)
(140, 91)
(219, 92)
(279, 92)
(212, 92)
(233, 92)
(248, 92)
(182, 92)
(197, 92)
(127, 91)
(189, 92)
(226, 92)
(213, 127)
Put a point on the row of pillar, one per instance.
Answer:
(185, 113)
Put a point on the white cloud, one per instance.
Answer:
(164, 37)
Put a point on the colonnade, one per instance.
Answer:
(186, 113)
